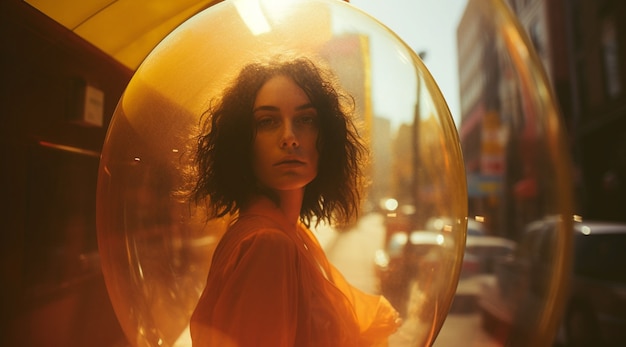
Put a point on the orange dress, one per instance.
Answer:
(271, 285)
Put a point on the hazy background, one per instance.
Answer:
(426, 26)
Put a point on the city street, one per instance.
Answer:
(352, 252)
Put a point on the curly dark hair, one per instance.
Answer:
(223, 156)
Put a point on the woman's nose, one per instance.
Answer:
(289, 138)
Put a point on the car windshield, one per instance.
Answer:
(601, 257)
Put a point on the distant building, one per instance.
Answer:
(479, 100)
(503, 128)
(581, 45)
(583, 48)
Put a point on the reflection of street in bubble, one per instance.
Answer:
(353, 253)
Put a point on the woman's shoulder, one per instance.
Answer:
(246, 239)
(258, 229)
(255, 224)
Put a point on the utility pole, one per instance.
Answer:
(415, 155)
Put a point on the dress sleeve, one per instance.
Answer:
(377, 318)
(251, 297)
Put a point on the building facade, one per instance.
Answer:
(580, 45)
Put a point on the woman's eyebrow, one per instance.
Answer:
(265, 108)
(305, 106)
(274, 108)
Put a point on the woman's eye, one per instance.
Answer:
(266, 122)
(308, 119)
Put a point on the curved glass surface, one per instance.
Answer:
(520, 198)
(408, 243)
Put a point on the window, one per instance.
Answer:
(610, 58)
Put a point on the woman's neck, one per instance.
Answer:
(287, 203)
(290, 203)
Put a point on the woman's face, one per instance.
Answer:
(285, 155)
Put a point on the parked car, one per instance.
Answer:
(595, 314)
(483, 252)
(398, 218)
(405, 258)
(475, 228)
(595, 310)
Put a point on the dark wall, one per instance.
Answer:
(599, 82)
(53, 293)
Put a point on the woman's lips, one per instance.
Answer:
(289, 162)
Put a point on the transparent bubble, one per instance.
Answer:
(519, 187)
(156, 249)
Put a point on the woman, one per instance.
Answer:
(279, 153)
